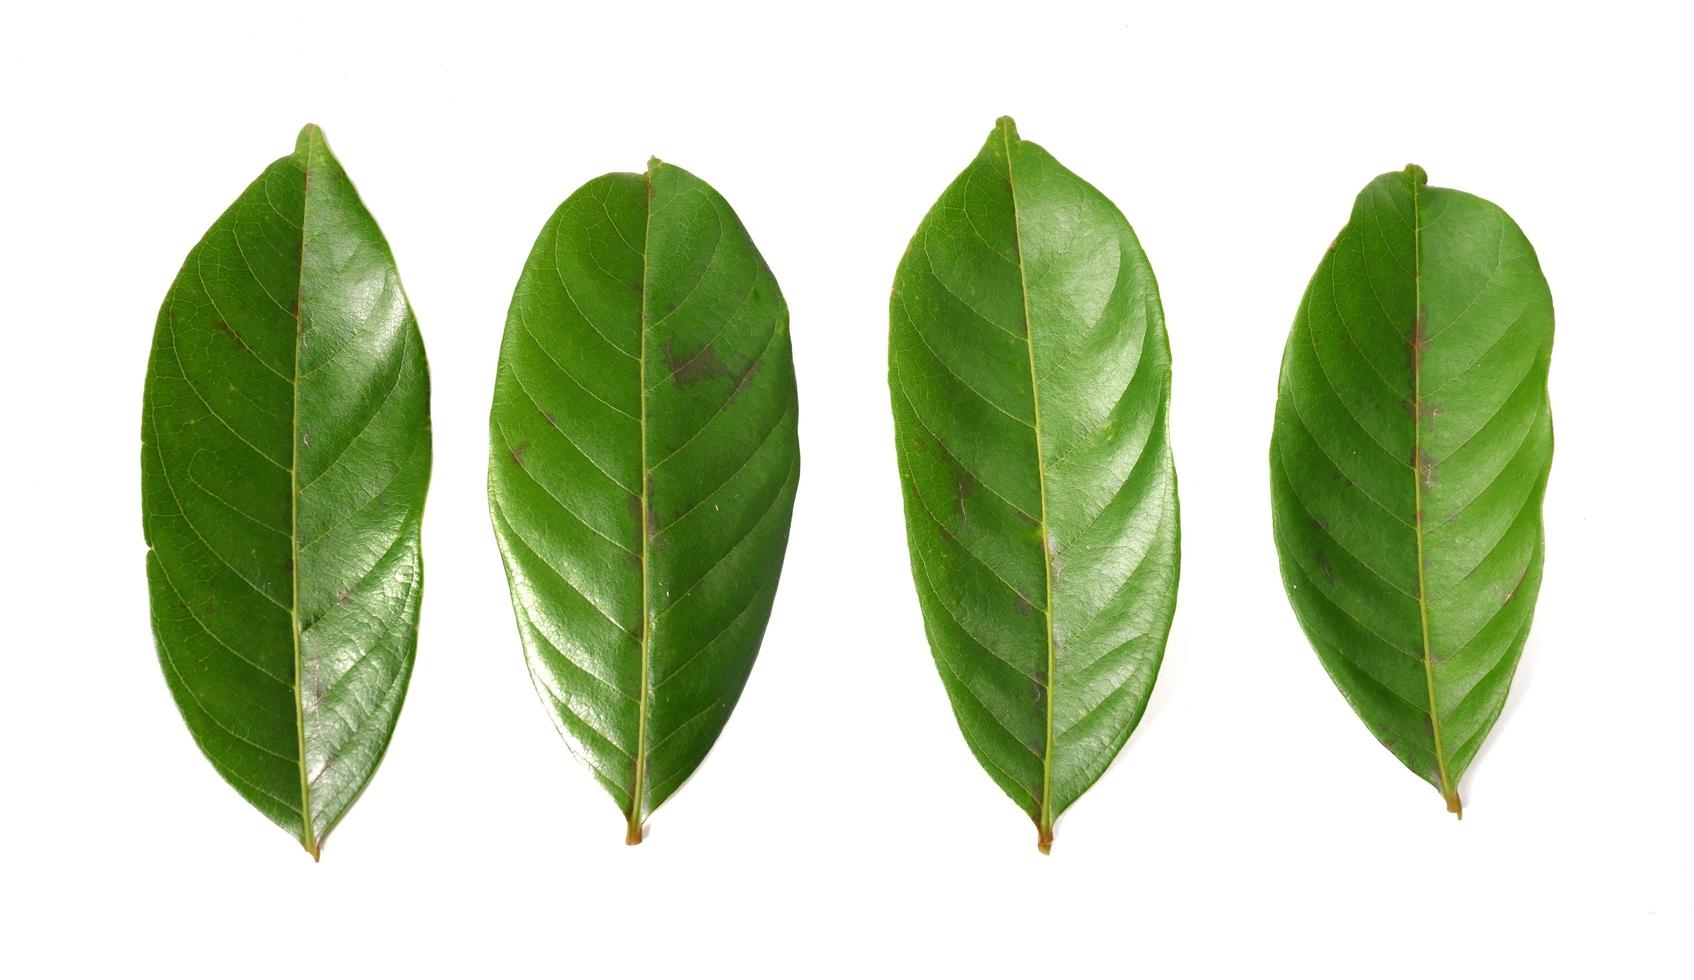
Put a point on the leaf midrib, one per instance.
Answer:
(1044, 820)
(1420, 340)
(306, 831)
(633, 834)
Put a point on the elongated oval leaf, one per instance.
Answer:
(285, 454)
(1030, 376)
(1412, 445)
(642, 468)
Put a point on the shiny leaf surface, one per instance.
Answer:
(285, 455)
(643, 463)
(1030, 376)
(1412, 445)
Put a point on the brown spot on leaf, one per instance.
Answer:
(1323, 565)
(1023, 606)
(688, 369)
(1429, 471)
(346, 595)
(964, 485)
(552, 419)
(222, 327)
(519, 451)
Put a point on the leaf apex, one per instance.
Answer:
(1455, 806)
(309, 134)
(1007, 126)
(653, 164)
(1417, 175)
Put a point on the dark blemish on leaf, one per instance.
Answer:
(288, 564)
(652, 511)
(688, 369)
(1023, 606)
(964, 486)
(306, 439)
(1322, 524)
(1429, 471)
(1323, 563)
(635, 505)
(345, 596)
(946, 535)
(211, 608)
(294, 307)
(519, 451)
(748, 373)
(1420, 337)
(670, 307)
(552, 419)
(222, 327)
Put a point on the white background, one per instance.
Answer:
(841, 827)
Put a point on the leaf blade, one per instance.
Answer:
(289, 664)
(1025, 288)
(1413, 390)
(645, 448)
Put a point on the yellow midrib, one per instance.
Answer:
(307, 834)
(1420, 338)
(637, 790)
(1044, 822)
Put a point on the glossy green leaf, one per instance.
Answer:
(285, 454)
(1030, 376)
(642, 468)
(1412, 445)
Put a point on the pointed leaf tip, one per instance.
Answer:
(309, 134)
(1007, 126)
(1417, 175)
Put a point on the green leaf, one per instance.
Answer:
(1030, 376)
(285, 451)
(642, 468)
(1412, 444)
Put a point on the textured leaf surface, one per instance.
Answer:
(1412, 445)
(285, 454)
(1030, 376)
(642, 469)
